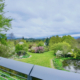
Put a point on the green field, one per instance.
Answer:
(41, 59)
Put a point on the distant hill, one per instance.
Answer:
(27, 38)
(76, 37)
(14, 38)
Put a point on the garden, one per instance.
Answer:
(51, 52)
(57, 50)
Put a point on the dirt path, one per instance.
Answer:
(52, 66)
(30, 56)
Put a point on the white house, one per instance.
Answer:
(21, 42)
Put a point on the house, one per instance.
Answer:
(21, 42)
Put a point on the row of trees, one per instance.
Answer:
(65, 44)
(68, 39)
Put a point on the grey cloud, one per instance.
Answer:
(34, 18)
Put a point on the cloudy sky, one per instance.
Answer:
(44, 18)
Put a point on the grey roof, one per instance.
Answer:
(45, 73)
(16, 65)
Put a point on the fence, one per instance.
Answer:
(33, 71)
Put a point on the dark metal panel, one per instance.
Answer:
(45, 73)
(16, 65)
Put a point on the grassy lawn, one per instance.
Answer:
(41, 59)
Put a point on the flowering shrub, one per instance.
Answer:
(59, 53)
(39, 49)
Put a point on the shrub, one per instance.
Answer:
(39, 49)
(4, 51)
(59, 53)
(29, 50)
(62, 46)
(33, 49)
(30, 46)
(24, 53)
(12, 50)
(19, 53)
(41, 43)
(76, 53)
(69, 54)
(20, 49)
(46, 49)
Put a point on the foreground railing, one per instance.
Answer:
(8, 65)
(16, 70)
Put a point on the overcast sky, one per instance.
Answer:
(44, 18)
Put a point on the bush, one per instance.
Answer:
(4, 51)
(69, 54)
(46, 49)
(33, 49)
(62, 46)
(24, 53)
(30, 46)
(21, 53)
(39, 49)
(20, 49)
(76, 53)
(12, 50)
(59, 53)
(41, 43)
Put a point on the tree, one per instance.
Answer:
(41, 43)
(3, 39)
(21, 48)
(23, 37)
(5, 23)
(11, 36)
(78, 40)
(47, 41)
(53, 40)
(69, 39)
